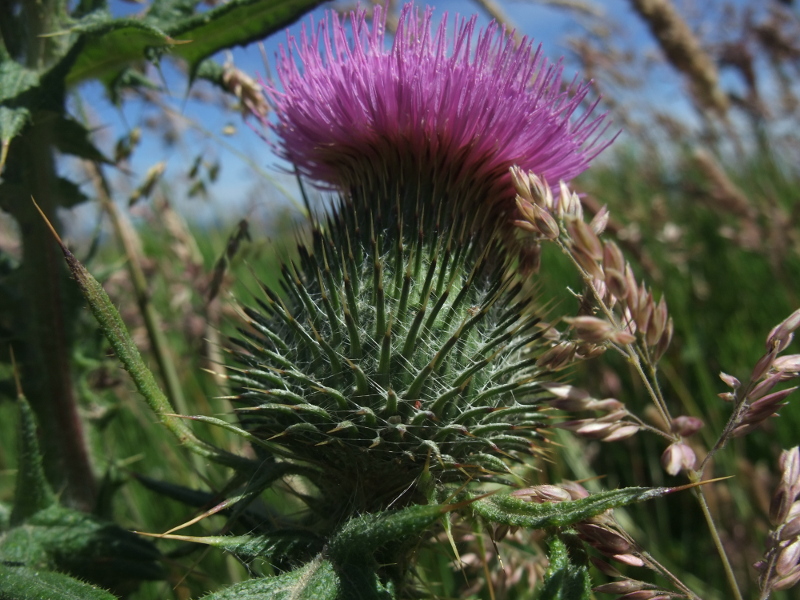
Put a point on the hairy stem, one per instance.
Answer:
(46, 313)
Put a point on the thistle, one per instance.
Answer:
(400, 353)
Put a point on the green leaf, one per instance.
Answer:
(166, 12)
(33, 493)
(235, 23)
(315, 581)
(69, 193)
(15, 79)
(12, 120)
(113, 328)
(110, 45)
(22, 583)
(71, 137)
(273, 546)
(82, 544)
(516, 512)
(566, 578)
(129, 78)
(362, 536)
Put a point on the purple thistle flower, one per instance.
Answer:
(459, 110)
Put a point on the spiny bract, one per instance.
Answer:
(399, 346)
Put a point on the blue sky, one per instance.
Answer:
(250, 178)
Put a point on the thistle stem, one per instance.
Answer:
(46, 315)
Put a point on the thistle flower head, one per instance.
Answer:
(452, 112)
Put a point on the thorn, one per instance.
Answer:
(50, 226)
(16, 372)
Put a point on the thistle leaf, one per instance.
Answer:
(315, 581)
(85, 546)
(566, 578)
(33, 493)
(361, 536)
(513, 511)
(273, 546)
(23, 583)
(110, 45)
(234, 23)
(128, 354)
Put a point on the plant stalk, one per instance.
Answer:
(694, 476)
(45, 315)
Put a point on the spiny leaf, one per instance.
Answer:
(566, 578)
(12, 120)
(22, 583)
(81, 544)
(33, 493)
(110, 45)
(516, 512)
(234, 23)
(315, 581)
(128, 354)
(273, 546)
(362, 535)
(71, 137)
(14, 80)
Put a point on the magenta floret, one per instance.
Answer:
(468, 104)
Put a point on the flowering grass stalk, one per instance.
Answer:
(640, 329)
